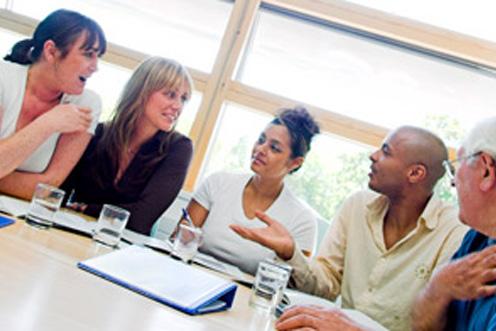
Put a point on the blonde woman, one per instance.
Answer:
(137, 160)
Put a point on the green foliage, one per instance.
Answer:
(448, 128)
(325, 189)
(451, 131)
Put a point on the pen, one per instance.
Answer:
(69, 201)
(187, 218)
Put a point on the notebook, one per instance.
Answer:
(164, 279)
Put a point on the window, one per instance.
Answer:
(109, 92)
(7, 40)
(333, 169)
(362, 78)
(473, 18)
(233, 140)
(189, 113)
(177, 29)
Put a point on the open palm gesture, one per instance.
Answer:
(274, 236)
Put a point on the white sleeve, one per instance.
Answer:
(206, 192)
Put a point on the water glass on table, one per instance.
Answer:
(187, 241)
(111, 223)
(45, 203)
(270, 282)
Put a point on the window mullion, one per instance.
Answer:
(235, 36)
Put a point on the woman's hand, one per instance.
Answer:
(68, 118)
(274, 236)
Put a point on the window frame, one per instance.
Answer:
(220, 86)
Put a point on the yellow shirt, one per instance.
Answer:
(354, 262)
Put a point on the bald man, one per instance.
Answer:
(383, 243)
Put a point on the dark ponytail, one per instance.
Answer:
(21, 52)
(63, 27)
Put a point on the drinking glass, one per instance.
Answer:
(270, 282)
(187, 241)
(110, 225)
(45, 203)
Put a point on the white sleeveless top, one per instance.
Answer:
(13, 79)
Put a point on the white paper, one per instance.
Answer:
(299, 298)
(13, 206)
(142, 240)
(225, 268)
(74, 221)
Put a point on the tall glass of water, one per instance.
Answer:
(270, 282)
(45, 203)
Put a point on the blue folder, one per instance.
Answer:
(4, 221)
(161, 278)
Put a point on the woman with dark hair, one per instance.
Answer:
(226, 198)
(46, 115)
(137, 160)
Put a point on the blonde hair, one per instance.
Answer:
(153, 74)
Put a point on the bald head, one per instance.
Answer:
(424, 147)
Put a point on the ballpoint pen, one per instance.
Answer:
(187, 218)
(172, 237)
(69, 201)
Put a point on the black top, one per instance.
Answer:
(145, 195)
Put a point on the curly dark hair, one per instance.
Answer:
(301, 127)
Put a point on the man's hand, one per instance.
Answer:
(468, 278)
(315, 318)
(274, 236)
(463, 279)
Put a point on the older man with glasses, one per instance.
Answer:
(452, 165)
(461, 296)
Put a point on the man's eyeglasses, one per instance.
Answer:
(453, 165)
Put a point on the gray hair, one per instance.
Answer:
(482, 138)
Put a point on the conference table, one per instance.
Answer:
(41, 288)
